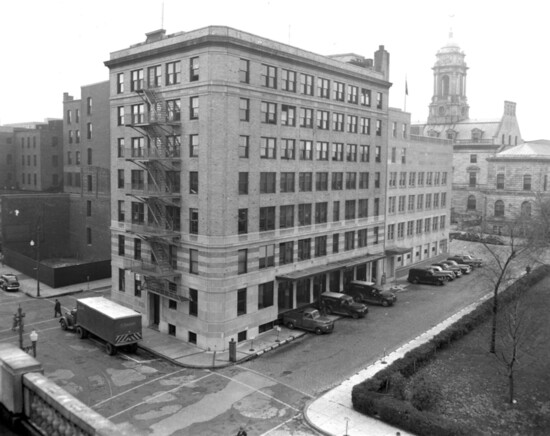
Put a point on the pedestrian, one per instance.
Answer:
(241, 432)
(15, 322)
(57, 308)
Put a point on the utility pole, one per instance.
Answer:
(19, 316)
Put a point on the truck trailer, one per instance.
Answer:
(117, 325)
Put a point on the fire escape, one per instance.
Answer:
(158, 153)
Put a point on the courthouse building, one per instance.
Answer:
(248, 176)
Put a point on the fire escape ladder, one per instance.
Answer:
(161, 256)
(157, 210)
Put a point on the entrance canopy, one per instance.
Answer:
(393, 251)
(341, 264)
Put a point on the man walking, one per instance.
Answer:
(57, 308)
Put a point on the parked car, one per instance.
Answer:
(421, 275)
(438, 271)
(308, 319)
(342, 304)
(367, 292)
(477, 261)
(447, 266)
(463, 260)
(465, 268)
(9, 282)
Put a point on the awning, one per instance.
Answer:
(393, 251)
(341, 264)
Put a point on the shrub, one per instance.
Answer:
(397, 384)
(425, 394)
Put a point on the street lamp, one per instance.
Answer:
(37, 262)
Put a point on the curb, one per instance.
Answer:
(61, 294)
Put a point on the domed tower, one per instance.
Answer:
(449, 103)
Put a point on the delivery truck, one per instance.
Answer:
(118, 326)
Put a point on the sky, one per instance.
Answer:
(56, 46)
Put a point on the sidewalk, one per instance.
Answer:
(330, 414)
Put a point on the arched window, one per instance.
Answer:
(445, 85)
(471, 205)
(499, 208)
(525, 209)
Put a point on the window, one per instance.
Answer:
(265, 295)
(349, 240)
(353, 94)
(304, 214)
(404, 156)
(400, 230)
(193, 145)
(323, 88)
(350, 210)
(242, 225)
(443, 199)
(306, 84)
(138, 212)
(429, 178)
(471, 204)
(121, 284)
(393, 179)
(410, 228)
(267, 218)
(244, 146)
(70, 138)
(243, 183)
(427, 225)
(336, 211)
(351, 180)
(352, 123)
(244, 71)
(306, 150)
(89, 179)
(136, 80)
(286, 217)
(89, 104)
(402, 179)
(241, 302)
(473, 179)
(194, 108)
(88, 236)
(419, 226)
(339, 91)
(120, 179)
(499, 208)
(288, 115)
(320, 246)
(194, 221)
(338, 122)
(305, 182)
(363, 208)
(269, 76)
(288, 149)
(335, 243)
(77, 157)
(337, 151)
(527, 182)
(89, 157)
(351, 152)
(421, 178)
(444, 178)
(120, 83)
(242, 261)
(378, 127)
(401, 203)
(288, 80)
(412, 179)
(391, 205)
(194, 69)
(173, 73)
(394, 132)
(120, 119)
(193, 302)
(121, 248)
(121, 211)
(322, 120)
(306, 117)
(287, 182)
(442, 222)
(268, 149)
(321, 181)
(321, 150)
(69, 117)
(337, 181)
(365, 126)
(154, 76)
(138, 145)
(244, 109)
(321, 210)
(525, 209)
(404, 131)
(267, 183)
(391, 232)
(89, 130)
(286, 253)
(376, 235)
(473, 158)
(364, 180)
(269, 113)
(120, 148)
(137, 248)
(193, 261)
(364, 153)
(428, 201)
(378, 154)
(500, 181)
(365, 97)
(379, 100)
(420, 201)
(436, 200)
(304, 249)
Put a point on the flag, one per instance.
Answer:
(406, 88)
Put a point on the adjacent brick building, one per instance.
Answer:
(248, 176)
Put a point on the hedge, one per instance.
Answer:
(371, 396)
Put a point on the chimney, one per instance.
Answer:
(155, 36)
(382, 62)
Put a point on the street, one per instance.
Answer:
(266, 395)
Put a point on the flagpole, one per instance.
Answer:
(406, 93)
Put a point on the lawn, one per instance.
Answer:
(474, 385)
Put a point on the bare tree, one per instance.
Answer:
(513, 338)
